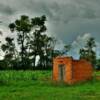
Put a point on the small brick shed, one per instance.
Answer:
(71, 71)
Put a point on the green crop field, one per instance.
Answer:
(38, 85)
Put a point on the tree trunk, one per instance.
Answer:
(22, 50)
(34, 60)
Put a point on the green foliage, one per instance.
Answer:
(9, 50)
(22, 26)
(38, 85)
(65, 50)
(31, 40)
(88, 53)
(98, 64)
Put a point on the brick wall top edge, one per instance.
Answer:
(82, 60)
(71, 58)
(63, 57)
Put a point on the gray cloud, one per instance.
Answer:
(62, 11)
(66, 19)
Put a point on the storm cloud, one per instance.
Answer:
(66, 19)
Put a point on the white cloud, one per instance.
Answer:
(81, 40)
(80, 43)
(59, 45)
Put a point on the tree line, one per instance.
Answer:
(32, 42)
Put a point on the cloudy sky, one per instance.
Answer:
(70, 21)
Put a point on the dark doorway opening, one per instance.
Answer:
(61, 72)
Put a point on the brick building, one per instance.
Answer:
(71, 71)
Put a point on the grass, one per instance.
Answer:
(38, 85)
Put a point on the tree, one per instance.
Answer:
(66, 49)
(98, 64)
(47, 50)
(1, 35)
(88, 53)
(36, 43)
(52, 46)
(9, 49)
(32, 40)
(22, 26)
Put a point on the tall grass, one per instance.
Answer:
(9, 76)
(38, 85)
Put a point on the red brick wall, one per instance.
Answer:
(75, 70)
(82, 70)
(67, 63)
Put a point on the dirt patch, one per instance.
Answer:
(98, 77)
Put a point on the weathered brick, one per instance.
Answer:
(73, 71)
